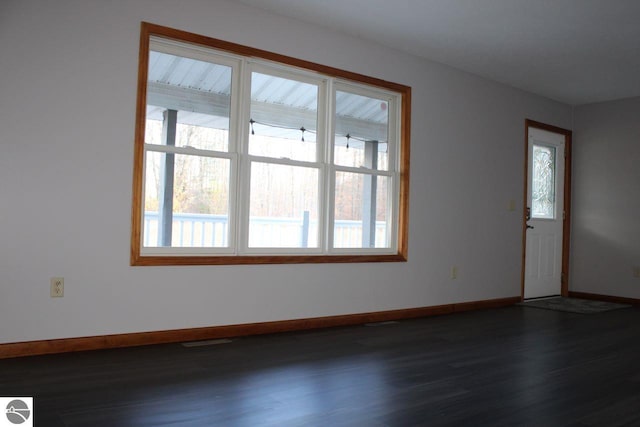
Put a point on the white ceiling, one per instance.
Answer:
(573, 51)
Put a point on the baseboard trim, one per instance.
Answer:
(607, 298)
(65, 345)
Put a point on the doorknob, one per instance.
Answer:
(528, 217)
(530, 226)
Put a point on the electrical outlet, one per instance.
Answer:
(57, 287)
(454, 272)
(636, 272)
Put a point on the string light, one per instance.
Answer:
(302, 129)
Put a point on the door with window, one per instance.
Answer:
(545, 213)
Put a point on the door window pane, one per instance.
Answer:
(190, 207)
(362, 128)
(361, 211)
(284, 206)
(284, 118)
(543, 185)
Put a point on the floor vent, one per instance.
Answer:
(205, 343)
(390, 322)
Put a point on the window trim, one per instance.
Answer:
(401, 210)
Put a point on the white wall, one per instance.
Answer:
(67, 100)
(606, 199)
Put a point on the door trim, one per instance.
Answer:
(566, 223)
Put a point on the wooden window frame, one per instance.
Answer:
(149, 30)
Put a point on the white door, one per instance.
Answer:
(545, 213)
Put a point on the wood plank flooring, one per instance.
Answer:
(513, 366)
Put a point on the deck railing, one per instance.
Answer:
(206, 230)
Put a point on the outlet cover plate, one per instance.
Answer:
(57, 287)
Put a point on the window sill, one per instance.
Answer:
(139, 260)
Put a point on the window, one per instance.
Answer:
(246, 156)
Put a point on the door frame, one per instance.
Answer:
(566, 223)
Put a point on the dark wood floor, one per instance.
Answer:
(504, 367)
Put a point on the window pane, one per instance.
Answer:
(543, 186)
(361, 211)
(200, 93)
(362, 128)
(189, 207)
(284, 206)
(284, 116)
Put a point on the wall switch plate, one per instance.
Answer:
(512, 205)
(454, 272)
(636, 272)
(57, 287)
